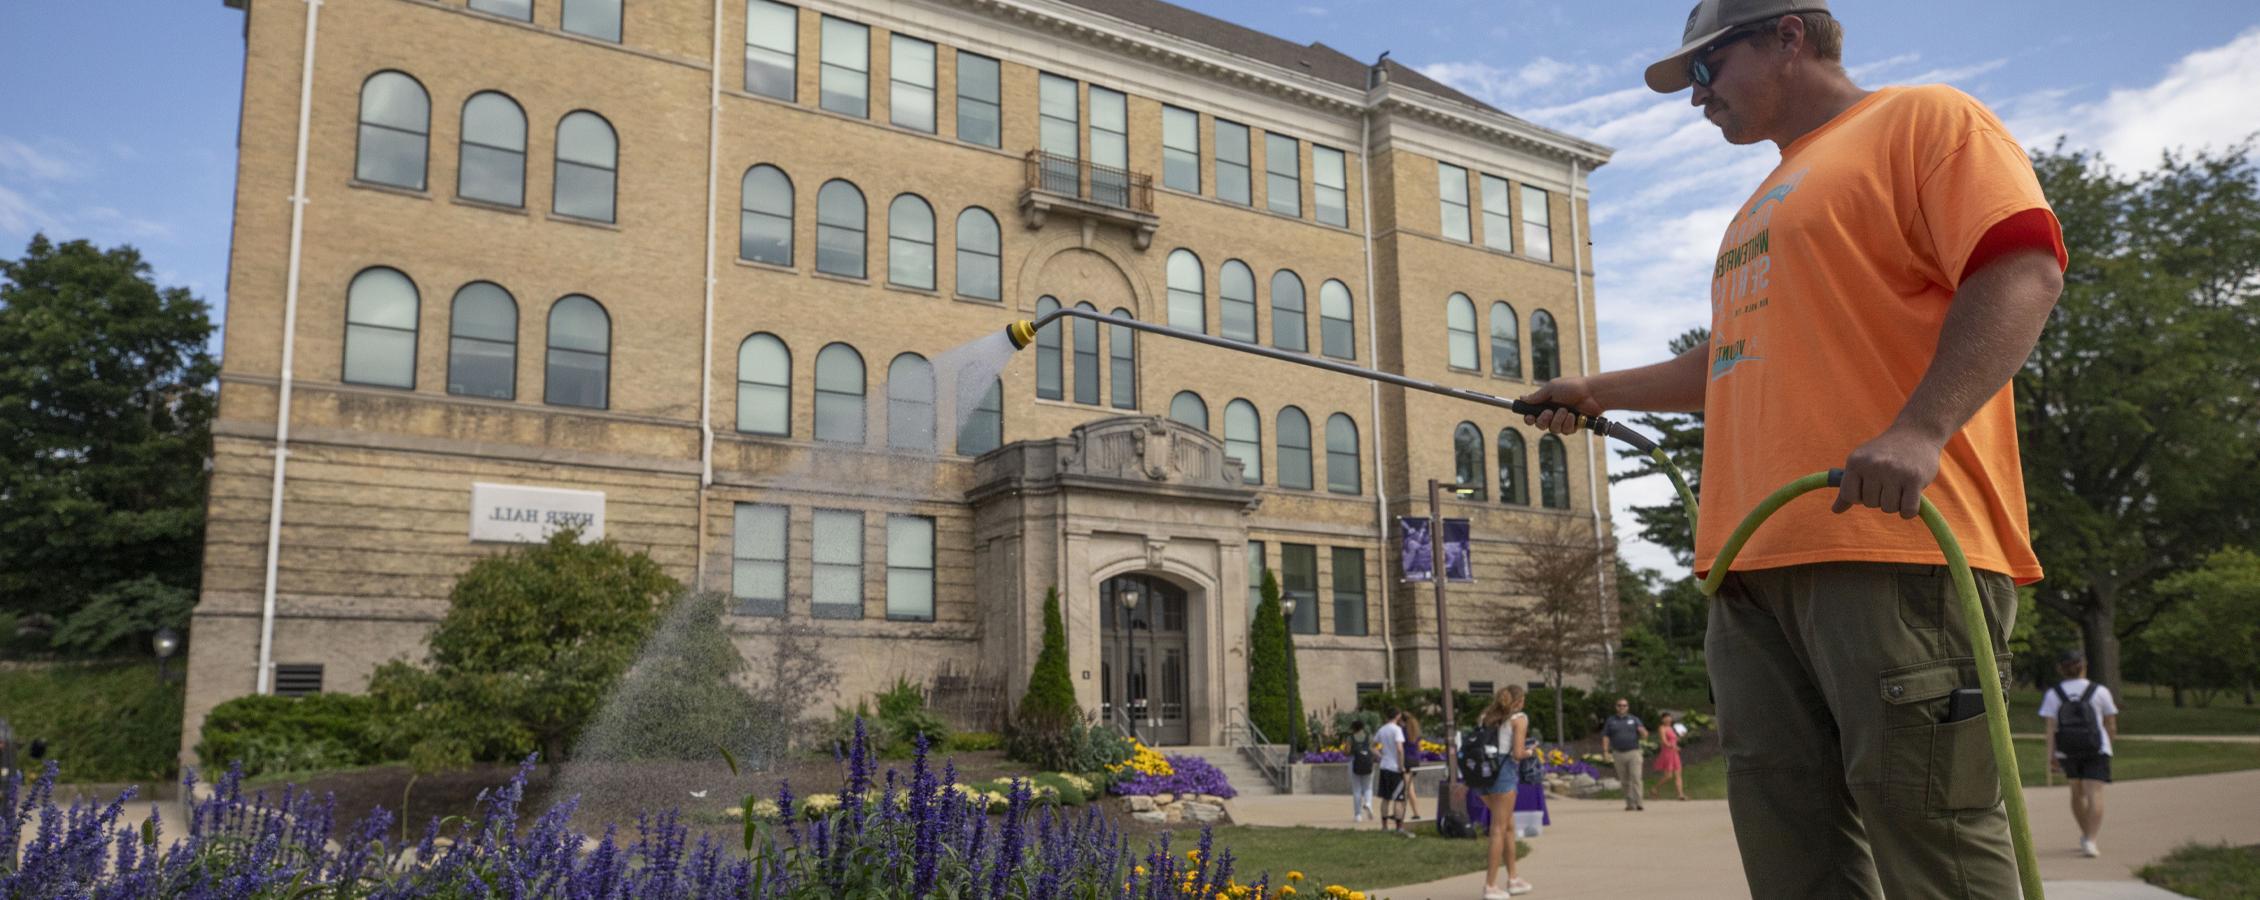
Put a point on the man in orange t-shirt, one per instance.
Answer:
(1869, 303)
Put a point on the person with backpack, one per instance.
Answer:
(1491, 764)
(1361, 772)
(2081, 721)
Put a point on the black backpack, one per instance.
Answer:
(1480, 757)
(1361, 756)
(2076, 731)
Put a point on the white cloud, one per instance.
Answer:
(1866, 69)
(1504, 87)
(2203, 100)
(19, 158)
(1314, 11)
(1949, 75)
(19, 217)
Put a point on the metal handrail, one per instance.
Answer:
(1257, 748)
(1122, 724)
(1068, 176)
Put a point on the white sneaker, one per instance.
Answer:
(2087, 848)
(1492, 893)
(1519, 886)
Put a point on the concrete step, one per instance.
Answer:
(1237, 768)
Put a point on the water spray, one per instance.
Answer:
(1023, 332)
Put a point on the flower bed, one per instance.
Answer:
(915, 836)
(1429, 751)
(1187, 775)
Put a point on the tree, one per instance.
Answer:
(532, 643)
(105, 428)
(679, 700)
(1298, 736)
(2137, 411)
(1042, 731)
(2209, 639)
(1561, 631)
(1271, 699)
(1681, 439)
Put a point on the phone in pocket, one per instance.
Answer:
(1965, 703)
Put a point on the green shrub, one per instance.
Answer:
(1426, 704)
(973, 741)
(105, 721)
(1097, 748)
(1271, 704)
(902, 710)
(681, 700)
(1045, 788)
(1041, 729)
(292, 734)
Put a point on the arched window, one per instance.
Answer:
(1545, 347)
(1187, 408)
(839, 395)
(910, 242)
(1294, 449)
(839, 229)
(765, 216)
(1342, 455)
(1459, 324)
(1467, 460)
(493, 151)
(1050, 379)
(1188, 296)
(981, 430)
(980, 255)
(1514, 469)
(1243, 439)
(910, 403)
(580, 354)
(396, 128)
(588, 166)
(1553, 472)
(1236, 294)
(1122, 362)
(1086, 357)
(1337, 324)
(765, 386)
(381, 308)
(1290, 330)
(598, 19)
(1506, 342)
(482, 343)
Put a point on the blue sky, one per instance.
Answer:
(118, 118)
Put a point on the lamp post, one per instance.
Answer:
(165, 643)
(1443, 633)
(1131, 666)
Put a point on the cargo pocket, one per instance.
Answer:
(1931, 764)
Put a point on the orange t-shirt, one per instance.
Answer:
(1827, 299)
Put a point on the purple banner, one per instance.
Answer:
(1415, 551)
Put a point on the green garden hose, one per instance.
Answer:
(1973, 621)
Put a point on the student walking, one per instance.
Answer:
(1389, 758)
(1667, 757)
(1361, 772)
(2081, 719)
(1502, 728)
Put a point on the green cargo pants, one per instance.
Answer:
(1845, 777)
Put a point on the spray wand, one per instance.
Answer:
(1023, 332)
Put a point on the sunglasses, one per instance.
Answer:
(1701, 70)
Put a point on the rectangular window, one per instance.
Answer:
(1498, 220)
(598, 19)
(845, 82)
(1451, 190)
(522, 10)
(980, 118)
(772, 41)
(1181, 149)
(1349, 591)
(757, 560)
(1283, 175)
(1232, 163)
(1482, 688)
(1330, 185)
(1110, 147)
(1058, 118)
(1256, 564)
(1086, 362)
(1537, 225)
(837, 551)
(1298, 578)
(911, 69)
(910, 568)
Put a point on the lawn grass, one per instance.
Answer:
(2216, 872)
(2132, 759)
(2140, 713)
(1360, 860)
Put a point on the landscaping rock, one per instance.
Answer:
(1140, 804)
(1211, 799)
(1150, 818)
(1165, 799)
(1202, 812)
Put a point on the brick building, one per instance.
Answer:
(686, 272)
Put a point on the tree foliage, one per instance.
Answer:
(1562, 631)
(1044, 727)
(2209, 639)
(681, 700)
(105, 426)
(1271, 699)
(2139, 409)
(533, 641)
(1680, 436)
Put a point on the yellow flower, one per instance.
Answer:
(1193, 854)
(1293, 875)
(1139, 871)
(1286, 890)
(1357, 895)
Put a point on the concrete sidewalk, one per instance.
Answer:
(1686, 849)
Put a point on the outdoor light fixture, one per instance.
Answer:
(166, 643)
(1287, 605)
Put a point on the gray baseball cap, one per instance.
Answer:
(1711, 20)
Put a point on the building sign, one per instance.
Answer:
(1414, 549)
(516, 514)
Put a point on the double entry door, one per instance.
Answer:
(1143, 657)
